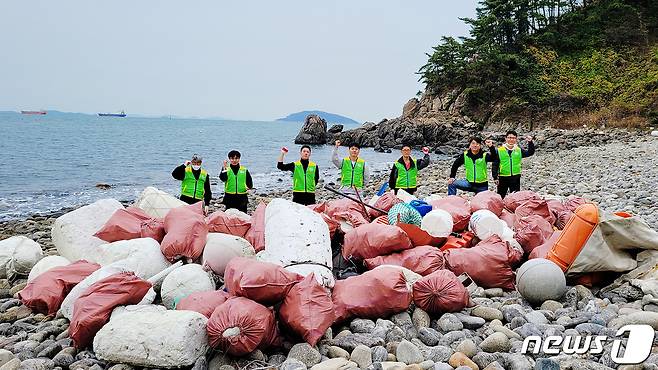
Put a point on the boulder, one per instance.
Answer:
(160, 339)
(314, 131)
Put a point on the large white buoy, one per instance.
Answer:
(539, 280)
(437, 223)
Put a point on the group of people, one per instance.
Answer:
(354, 172)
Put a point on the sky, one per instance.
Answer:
(250, 60)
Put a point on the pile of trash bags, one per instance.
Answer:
(169, 283)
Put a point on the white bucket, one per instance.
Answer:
(437, 223)
(485, 223)
(404, 196)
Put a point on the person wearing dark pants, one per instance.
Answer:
(195, 185)
(474, 161)
(506, 170)
(237, 181)
(405, 170)
(305, 175)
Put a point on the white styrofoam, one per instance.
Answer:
(73, 233)
(295, 234)
(221, 248)
(183, 281)
(157, 203)
(160, 339)
(143, 254)
(46, 264)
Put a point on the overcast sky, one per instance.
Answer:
(254, 60)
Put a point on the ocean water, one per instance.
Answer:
(54, 161)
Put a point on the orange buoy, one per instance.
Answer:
(574, 236)
(464, 240)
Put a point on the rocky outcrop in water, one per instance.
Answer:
(314, 131)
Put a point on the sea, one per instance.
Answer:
(54, 161)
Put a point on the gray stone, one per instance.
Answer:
(536, 317)
(303, 352)
(511, 311)
(449, 322)
(12, 364)
(496, 342)
(483, 359)
(395, 335)
(494, 366)
(334, 352)
(382, 327)
(350, 341)
(5, 356)
(517, 362)
(362, 326)
(589, 329)
(437, 353)
(121, 367)
(362, 356)
(467, 347)
(426, 365)
(227, 367)
(379, 354)
(49, 351)
(546, 364)
(26, 355)
(451, 337)
(505, 330)
(551, 305)
(292, 364)
(403, 320)
(487, 313)
(517, 322)
(335, 364)
(429, 336)
(442, 366)
(408, 353)
(276, 360)
(37, 364)
(63, 360)
(470, 322)
(420, 319)
(314, 131)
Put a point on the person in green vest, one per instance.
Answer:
(354, 173)
(474, 161)
(405, 170)
(237, 180)
(506, 170)
(195, 185)
(305, 175)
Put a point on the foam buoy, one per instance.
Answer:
(539, 280)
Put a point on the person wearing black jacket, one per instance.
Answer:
(237, 181)
(405, 169)
(305, 175)
(195, 184)
(474, 161)
(506, 170)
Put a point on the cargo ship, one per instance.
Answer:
(40, 112)
(120, 114)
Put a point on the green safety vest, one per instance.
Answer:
(304, 182)
(191, 187)
(406, 178)
(509, 165)
(236, 184)
(352, 176)
(475, 172)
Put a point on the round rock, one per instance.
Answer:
(539, 280)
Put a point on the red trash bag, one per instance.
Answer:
(187, 233)
(508, 217)
(574, 202)
(308, 310)
(422, 260)
(532, 231)
(458, 208)
(542, 250)
(220, 222)
(440, 291)
(535, 207)
(515, 199)
(153, 228)
(263, 282)
(378, 293)
(93, 308)
(256, 234)
(349, 210)
(489, 200)
(385, 203)
(331, 223)
(372, 240)
(125, 224)
(203, 302)
(240, 325)
(47, 291)
(489, 263)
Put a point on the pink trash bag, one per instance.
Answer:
(372, 240)
(440, 291)
(422, 260)
(489, 200)
(187, 233)
(220, 222)
(515, 199)
(256, 233)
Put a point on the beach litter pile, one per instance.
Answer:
(436, 283)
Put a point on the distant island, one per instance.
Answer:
(329, 117)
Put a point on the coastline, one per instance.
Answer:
(618, 176)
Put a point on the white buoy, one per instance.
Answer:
(539, 280)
